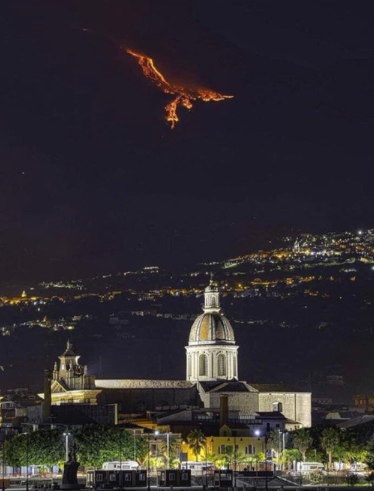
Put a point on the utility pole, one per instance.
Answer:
(149, 466)
(266, 461)
(27, 461)
(120, 448)
(234, 433)
(3, 487)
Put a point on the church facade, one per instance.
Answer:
(211, 372)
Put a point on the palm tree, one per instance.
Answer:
(210, 456)
(288, 456)
(197, 442)
(302, 440)
(174, 449)
(329, 441)
(276, 443)
(231, 457)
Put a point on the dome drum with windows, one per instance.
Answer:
(211, 350)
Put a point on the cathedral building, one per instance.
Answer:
(212, 371)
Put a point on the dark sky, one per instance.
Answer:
(92, 179)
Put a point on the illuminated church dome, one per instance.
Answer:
(211, 350)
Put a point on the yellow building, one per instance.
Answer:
(229, 438)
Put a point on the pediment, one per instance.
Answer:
(58, 386)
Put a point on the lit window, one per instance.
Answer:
(221, 365)
(203, 365)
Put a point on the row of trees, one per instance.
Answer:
(95, 444)
(98, 444)
(327, 444)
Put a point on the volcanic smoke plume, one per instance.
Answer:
(183, 96)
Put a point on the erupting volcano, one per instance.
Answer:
(183, 95)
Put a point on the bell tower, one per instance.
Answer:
(73, 375)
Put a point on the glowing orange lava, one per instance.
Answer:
(183, 96)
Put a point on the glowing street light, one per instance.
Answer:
(66, 435)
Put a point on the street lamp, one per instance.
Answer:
(120, 448)
(66, 435)
(234, 433)
(134, 445)
(258, 433)
(4, 464)
(206, 463)
(27, 462)
(168, 449)
(148, 465)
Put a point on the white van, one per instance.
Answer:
(308, 467)
(125, 465)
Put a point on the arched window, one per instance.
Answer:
(221, 365)
(234, 366)
(203, 365)
(189, 366)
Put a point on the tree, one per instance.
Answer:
(330, 439)
(98, 444)
(232, 457)
(302, 440)
(276, 443)
(210, 456)
(174, 451)
(197, 442)
(43, 447)
(288, 456)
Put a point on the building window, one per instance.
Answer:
(223, 449)
(277, 406)
(203, 365)
(249, 450)
(221, 365)
(234, 366)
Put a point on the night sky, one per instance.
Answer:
(92, 178)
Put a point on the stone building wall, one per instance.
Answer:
(244, 402)
(135, 400)
(296, 406)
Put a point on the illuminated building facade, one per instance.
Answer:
(211, 372)
(71, 382)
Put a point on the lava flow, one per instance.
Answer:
(183, 96)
